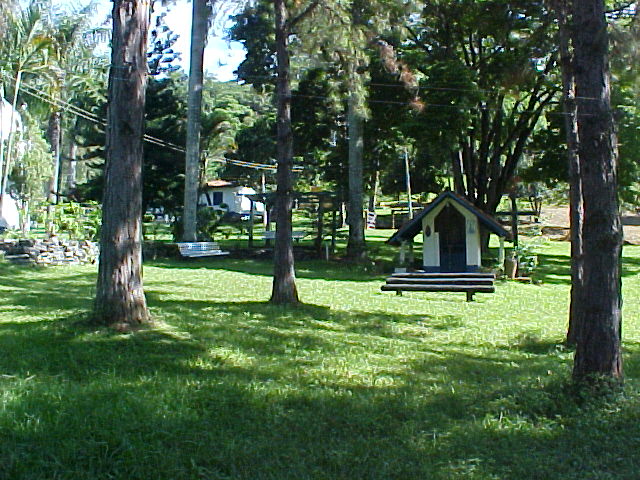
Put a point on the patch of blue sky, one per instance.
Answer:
(221, 57)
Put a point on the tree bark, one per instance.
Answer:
(356, 248)
(199, 29)
(284, 278)
(374, 188)
(456, 167)
(54, 132)
(598, 347)
(120, 299)
(575, 183)
(73, 165)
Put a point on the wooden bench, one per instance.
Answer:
(469, 283)
(200, 249)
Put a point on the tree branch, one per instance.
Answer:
(302, 15)
(415, 37)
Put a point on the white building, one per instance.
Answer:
(218, 193)
(450, 226)
(10, 120)
(9, 215)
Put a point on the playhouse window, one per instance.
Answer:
(217, 198)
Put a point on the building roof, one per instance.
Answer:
(219, 183)
(412, 228)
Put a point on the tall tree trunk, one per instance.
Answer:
(54, 132)
(120, 299)
(3, 133)
(457, 173)
(284, 278)
(373, 198)
(73, 165)
(199, 29)
(598, 348)
(575, 183)
(356, 249)
(54, 135)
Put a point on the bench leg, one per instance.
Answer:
(470, 296)
(399, 293)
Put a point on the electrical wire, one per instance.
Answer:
(87, 115)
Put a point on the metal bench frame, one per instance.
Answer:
(200, 249)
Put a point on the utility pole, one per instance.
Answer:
(408, 181)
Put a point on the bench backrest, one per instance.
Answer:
(198, 246)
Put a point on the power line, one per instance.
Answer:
(438, 105)
(87, 115)
(429, 104)
(248, 79)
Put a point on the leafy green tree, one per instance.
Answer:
(162, 56)
(7, 9)
(72, 46)
(488, 70)
(25, 53)
(228, 110)
(31, 170)
(254, 143)
(284, 289)
(163, 170)
(625, 32)
(254, 28)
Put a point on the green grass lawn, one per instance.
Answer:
(355, 384)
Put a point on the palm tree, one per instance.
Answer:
(26, 53)
(70, 48)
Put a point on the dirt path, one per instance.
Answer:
(555, 224)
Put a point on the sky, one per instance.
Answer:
(221, 57)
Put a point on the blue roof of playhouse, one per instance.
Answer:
(413, 227)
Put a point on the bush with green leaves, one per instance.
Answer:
(208, 221)
(79, 221)
(527, 259)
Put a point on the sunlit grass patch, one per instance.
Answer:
(354, 383)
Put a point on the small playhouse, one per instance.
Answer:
(230, 196)
(450, 227)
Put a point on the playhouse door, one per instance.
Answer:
(451, 227)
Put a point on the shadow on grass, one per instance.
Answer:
(247, 390)
(532, 343)
(45, 292)
(127, 407)
(287, 321)
(311, 269)
(556, 269)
